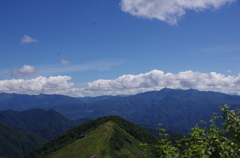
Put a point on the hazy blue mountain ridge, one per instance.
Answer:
(97, 98)
(172, 107)
(183, 107)
(22, 102)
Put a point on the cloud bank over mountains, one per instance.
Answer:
(156, 80)
(169, 11)
(126, 84)
(50, 85)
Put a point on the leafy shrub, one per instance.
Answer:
(206, 142)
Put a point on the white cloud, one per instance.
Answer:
(50, 85)
(28, 39)
(26, 70)
(65, 62)
(169, 11)
(126, 84)
(156, 80)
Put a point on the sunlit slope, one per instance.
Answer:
(89, 146)
(107, 140)
(109, 136)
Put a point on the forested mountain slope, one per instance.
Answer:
(15, 143)
(47, 124)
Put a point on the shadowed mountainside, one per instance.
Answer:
(47, 124)
(15, 143)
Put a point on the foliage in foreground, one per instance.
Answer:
(206, 142)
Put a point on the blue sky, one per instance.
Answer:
(96, 47)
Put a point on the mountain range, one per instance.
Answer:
(41, 118)
(175, 108)
(22, 102)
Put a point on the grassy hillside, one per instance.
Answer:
(108, 140)
(109, 136)
(15, 143)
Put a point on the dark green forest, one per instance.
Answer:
(15, 143)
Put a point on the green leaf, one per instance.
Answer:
(221, 131)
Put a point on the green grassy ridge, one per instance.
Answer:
(136, 132)
(107, 140)
(122, 144)
(15, 143)
(91, 145)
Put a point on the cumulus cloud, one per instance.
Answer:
(156, 80)
(126, 84)
(27, 39)
(65, 62)
(50, 85)
(169, 11)
(25, 71)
